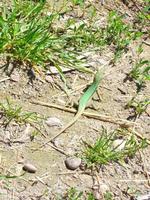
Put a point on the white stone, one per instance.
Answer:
(119, 144)
(53, 121)
(15, 77)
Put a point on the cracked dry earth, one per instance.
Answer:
(52, 179)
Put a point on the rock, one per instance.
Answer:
(58, 143)
(53, 70)
(53, 121)
(15, 77)
(49, 79)
(72, 163)
(21, 161)
(104, 188)
(61, 101)
(119, 144)
(102, 2)
(99, 190)
(143, 197)
(28, 130)
(28, 167)
(97, 195)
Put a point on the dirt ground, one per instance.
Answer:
(53, 179)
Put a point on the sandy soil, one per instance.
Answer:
(52, 179)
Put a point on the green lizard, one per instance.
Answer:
(82, 103)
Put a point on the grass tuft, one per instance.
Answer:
(104, 152)
(138, 106)
(32, 35)
(9, 113)
(140, 72)
(27, 35)
(74, 194)
(118, 33)
(143, 17)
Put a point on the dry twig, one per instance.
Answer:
(4, 79)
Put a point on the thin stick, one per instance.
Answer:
(147, 43)
(33, 125)
(133, 180)
(121, 122)
(104, 118)
(4, 79)
(58, 149)
(68, 173)
(52, 146)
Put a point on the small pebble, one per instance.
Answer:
(53, 121)
(61, 101)
(49, 79)
(28, 167)
(104, 188)
(15, 77)
(143, 197)
(119, 144)
(72, 163)
(21, 161)
(97, 195)
(135, 172)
